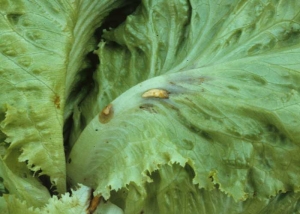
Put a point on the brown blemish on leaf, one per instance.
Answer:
(106, 114)
(57, 101)
(94, 204)
(148, 107)
(107, 109)
(156, 93)
(202, 79)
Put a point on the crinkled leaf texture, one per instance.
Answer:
(32, 76)
(18, 181)
(43, 45)
(223, 111)
(78, 202)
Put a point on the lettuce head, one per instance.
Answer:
(178, 106)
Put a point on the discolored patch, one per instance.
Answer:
(57, 101)
(156, 93)
(94, 204)
(201, 80)
(106, 114)
(148, 107)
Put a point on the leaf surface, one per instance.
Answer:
(227, 105)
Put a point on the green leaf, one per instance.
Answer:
(224, 124)
(34, 41)
(43, 46)
(78, 202)
(139, 49)
(87, 16)
(18, 179)
(173, 191)
(227, 107)
(171, 36)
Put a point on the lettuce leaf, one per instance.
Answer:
(78, 202)
(221, 97)
(43, 46)
(193, 107)
(173, 191)
(32, 73)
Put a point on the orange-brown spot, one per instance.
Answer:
(94, 204)
(57, 101)
(106, 114)
(156, 93)
(107, 109)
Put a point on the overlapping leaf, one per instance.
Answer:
(227, 106)
(32, 74)
(43, 45)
